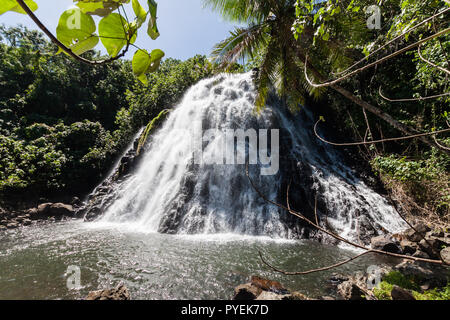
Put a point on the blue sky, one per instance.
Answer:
(186, 27)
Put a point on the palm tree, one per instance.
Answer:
(269, 35)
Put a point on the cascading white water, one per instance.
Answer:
(170, 193)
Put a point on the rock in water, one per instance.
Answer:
(351, 291)
(119, 293)
(269, 285)
(246, 292)
(385, 243)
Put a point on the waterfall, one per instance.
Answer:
(184, 185)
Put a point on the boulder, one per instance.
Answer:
(412, 235)
(445, 255)
(408, 247)
(422, 228)
(12, 225)
(398, 293)
(432, 246)
(61, 210)
(420, 254)
(268, 285)
(119, 293)
(385, 243)
(56, 210)
(43, 209)
(246, 292)
(327, 298)
(349, 290)
(268, 295)
(33, 213)
(423, 273)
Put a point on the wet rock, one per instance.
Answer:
(445, 255)
(420, 254)
(26, 222)
(119, 293)
(436, 233)
(76, 202)
(408, 247)
(432, 246)
(33, 213)
(327, 298)
(385, 243)
(268, 295)
(423, 273)
(263, 289)
(422, 228)
(43, 209)
(349, 290)
(246, 292)
(412, 235)
(3, 228)
(61, 210)
(398, 293)
(12, 225)
(268, 285)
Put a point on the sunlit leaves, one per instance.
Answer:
(98, 7)
(76, 30)
(141, 14)
(144, 63)
(152, 27)
(112, 33)
(12, 5)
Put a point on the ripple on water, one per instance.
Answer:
(34, 261)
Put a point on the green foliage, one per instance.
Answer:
(77, 29)
(383, 291)
(155, 123)
(63, 123)
(400, 168)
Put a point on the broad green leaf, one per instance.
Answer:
(152, 27)
(141, 14)
(11, 5)
(141, 63)
(144, 62)
(85, 45)
(100, 8)
(156, 56)
(112, 31)
(76, 30)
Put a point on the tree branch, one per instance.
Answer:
(377, 141)
(381, 60)
(393, 40)
(64, 47)
(413, 99)
(431, 63)
(334, 235)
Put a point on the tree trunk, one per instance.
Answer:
(371, 108)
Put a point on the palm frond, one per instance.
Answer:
(242, 11)
(243, 42)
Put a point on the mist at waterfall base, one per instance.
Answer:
(176, 229)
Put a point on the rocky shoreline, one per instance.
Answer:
(419, 242)
(43, 213)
